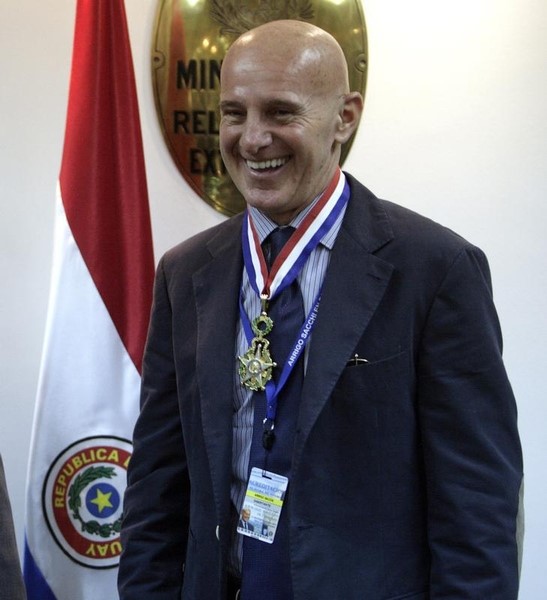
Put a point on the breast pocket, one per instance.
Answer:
(383, 382)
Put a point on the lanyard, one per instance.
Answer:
(272, 390)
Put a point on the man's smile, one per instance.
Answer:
(272, 163)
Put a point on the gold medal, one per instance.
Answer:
(255, 369)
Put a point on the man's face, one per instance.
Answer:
(277, 132)
(245, 514)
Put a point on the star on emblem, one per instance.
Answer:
(102, 500)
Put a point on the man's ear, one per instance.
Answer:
(349, 116)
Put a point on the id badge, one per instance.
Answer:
(262, 505)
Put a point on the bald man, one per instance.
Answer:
(327, 360)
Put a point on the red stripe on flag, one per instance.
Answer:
(103, 180)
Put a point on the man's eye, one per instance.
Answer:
(233, 115)
(282, 112)
(285, 113)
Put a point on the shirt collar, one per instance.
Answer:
(264, 225)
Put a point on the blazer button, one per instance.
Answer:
(217, 532)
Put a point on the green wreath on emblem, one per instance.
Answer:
(80, 483)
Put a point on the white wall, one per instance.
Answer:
(455, 127)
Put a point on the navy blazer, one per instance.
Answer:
(418, 447)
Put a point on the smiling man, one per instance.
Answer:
(327, 360)
(285, 112)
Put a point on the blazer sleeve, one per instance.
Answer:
(472, 453)
(11, 580)
(155, 522)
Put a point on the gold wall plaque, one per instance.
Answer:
(190, 40)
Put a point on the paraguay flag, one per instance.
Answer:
(101, 289)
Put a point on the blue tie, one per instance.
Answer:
(266, 567)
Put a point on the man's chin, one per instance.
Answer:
(264, 200)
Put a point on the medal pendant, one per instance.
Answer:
(255, 369)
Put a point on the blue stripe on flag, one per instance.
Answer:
(37, 587)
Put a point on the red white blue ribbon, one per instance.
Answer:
(300, 245)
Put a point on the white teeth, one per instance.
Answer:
(266, 164)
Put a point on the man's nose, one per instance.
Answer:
(255, 135)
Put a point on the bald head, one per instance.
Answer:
(296, 45)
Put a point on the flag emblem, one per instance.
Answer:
(189, 43)
(82, 498)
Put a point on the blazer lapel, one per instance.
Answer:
(354, 286)
(216, 289)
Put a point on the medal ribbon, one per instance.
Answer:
(285, 269)
(296, 251)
